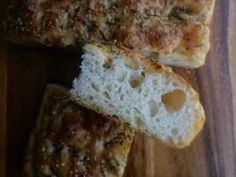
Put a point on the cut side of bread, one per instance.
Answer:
(143, 93)
(70, 140)
(175, 32)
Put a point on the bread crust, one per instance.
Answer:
(70, 140)
(177, 31)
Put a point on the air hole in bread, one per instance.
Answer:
(175, 132)
(139, 122)
(136, 80)
(121, 97)
(173, 100)
(114, 116)
(102, 79)
(120, 90)
(108, 88)
(107, 64)
(122, 77)
(106, 95)
(153, 108)
(132, 65)
(153, 54)
(94, 87)
(137, 110)
(175, 84)
(127, 111)
(154, 82)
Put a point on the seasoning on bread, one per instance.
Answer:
(72, 141)
(176, 32)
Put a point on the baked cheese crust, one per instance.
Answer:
(174, 31)
(71, 141)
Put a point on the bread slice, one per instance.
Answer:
(143, 93)
(174, 32)
(72, 141)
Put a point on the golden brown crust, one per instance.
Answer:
(72, 141)
(162, 26)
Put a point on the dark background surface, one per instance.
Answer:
(25, 71)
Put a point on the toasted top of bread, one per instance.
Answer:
(176, 32)
(72, 141)
(143, 93)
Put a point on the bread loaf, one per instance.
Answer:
(173, 32)
(70, 140)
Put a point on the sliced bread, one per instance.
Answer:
(138, 91)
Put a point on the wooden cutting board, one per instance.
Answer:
(24, 73)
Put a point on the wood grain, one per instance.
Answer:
(24, 73)
(3, 106)
(3, 99)
(232, 54)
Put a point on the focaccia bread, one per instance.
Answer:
(71, 141)
(143, 93)
(176, 32)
